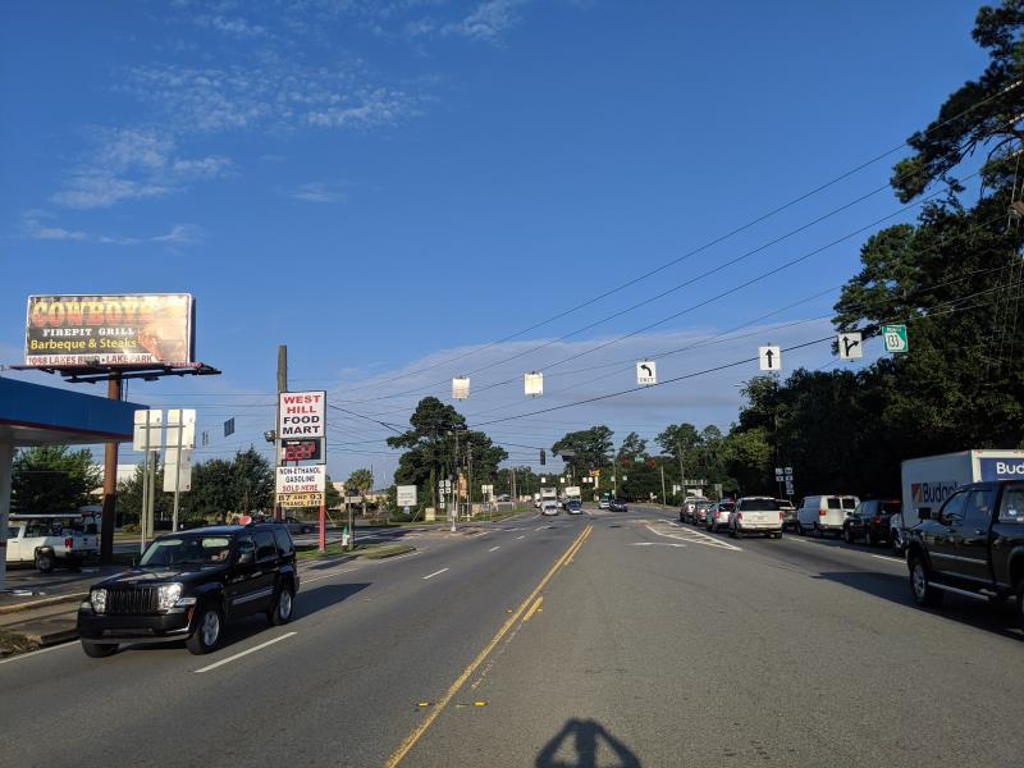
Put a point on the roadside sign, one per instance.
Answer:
(301, 414)
(850, 345)
(533, 383)
(406, 495)
(311, 478)
(181, 427)
(460, 388)
(894, 337)
(778, 473)
(770, 357)
(148, 432)
(301, 450)
(182, 465)
(646, 373)
(229, 427)
(294, 500)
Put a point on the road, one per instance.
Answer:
(608, 639)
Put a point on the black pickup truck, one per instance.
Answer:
(973, 546)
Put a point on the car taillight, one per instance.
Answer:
(821, 513)
(739, 515)
(67, 542)
(878, 520)
(780, 514)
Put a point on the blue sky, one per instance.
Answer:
(387, 184)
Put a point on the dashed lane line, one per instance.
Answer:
(492, 549)
(435, 573)
(255, 648)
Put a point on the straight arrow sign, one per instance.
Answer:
(770, 357)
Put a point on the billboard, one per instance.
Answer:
(136, 330)
(302, 414)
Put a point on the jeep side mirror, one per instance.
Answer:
(244, 558)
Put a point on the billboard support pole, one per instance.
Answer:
(282, 386)
(108, 518)
(323, 526)
(177, 471)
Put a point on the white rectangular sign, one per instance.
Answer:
(850, 345)
(646, 373)
(302, 414)
(533, 383)
(148, 433)
(183, 468)
(181, 421)
(406, 495)
(311, 478)
(770, 358)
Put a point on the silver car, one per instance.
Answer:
(756, 514)
(718, 516)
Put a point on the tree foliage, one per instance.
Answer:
(53, 479)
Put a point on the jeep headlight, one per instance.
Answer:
(98, 599)
(167, 596)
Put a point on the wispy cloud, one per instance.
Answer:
(133, 164)
(488, 21)
(317, 192)
(37, 225)
(235, 26)
(275, 92)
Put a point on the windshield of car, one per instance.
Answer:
(187, 550)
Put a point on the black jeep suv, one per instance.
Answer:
(188, 584)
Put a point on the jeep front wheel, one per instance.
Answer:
(206, 636)
(99, 650)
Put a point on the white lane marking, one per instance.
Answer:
(492, 549)
(327, 575)
(520, 537)
(704, 538)
(435, 573)
(255, 648)
(896, 560)
(656, 544)
(21, 656)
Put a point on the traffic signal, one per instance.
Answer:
(543, 458)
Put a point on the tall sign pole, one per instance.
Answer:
(108, 518)
(282, 386)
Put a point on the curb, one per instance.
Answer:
(31, 604)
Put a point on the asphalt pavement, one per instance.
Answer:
(601, 640)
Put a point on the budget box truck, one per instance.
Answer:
(928, 481)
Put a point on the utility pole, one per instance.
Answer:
(664, 499)
(108, 518)
(282, 386)
(682, 472)
(469, 477)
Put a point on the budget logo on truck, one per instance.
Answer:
(935, 492)
(302, 414)
(1002, 469)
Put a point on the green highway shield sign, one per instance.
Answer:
(895, 338)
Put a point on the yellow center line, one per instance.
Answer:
(533, 609)
(410, 741)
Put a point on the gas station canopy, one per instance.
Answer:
(31, 414)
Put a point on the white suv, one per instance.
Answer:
(756, 514)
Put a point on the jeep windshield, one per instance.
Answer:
(187, 550)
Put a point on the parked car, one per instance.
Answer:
(973, 546)
(574, 507)
(756, 514)
(188, 585)
(49, 540)
(617, 505)
(295, 526)
(870, 521)
(718, 516)
(788, 511)
(549, 507)
(824, 514)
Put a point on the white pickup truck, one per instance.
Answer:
(50, 540)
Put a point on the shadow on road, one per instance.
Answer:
(577, 746)
(997, 618)
(308, 602)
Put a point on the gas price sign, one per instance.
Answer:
(301, 450)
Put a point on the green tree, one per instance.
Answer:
(253, 482)
(128, 505)
(53, 478)
(633, 447)
(429, 444)
(592, 448)
(212, 496)
(360, 480)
